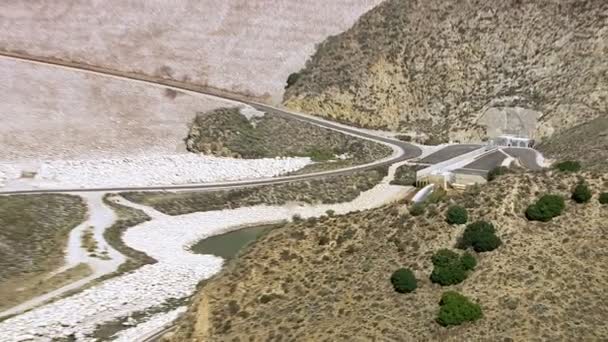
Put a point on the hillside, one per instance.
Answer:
(248, 47)
(328, 279)
(456, 69)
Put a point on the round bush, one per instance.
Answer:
(448, 268)
(603, 198)
(457, 215)
(569, 166)
(581, 193)
(546, 208)
(481, 236)
(456, 309)
(468, 261)
(404, 281)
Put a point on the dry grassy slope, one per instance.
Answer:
(329, 280)
(34, 230)
(587, 142)
(238, 45)
(437, 66)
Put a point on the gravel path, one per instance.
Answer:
(178, 271)
(158, 170)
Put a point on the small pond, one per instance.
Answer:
(229, 244)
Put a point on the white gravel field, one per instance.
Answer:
(49, 113)
(165, 238)
(242, 46)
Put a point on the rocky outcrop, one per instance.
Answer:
(456, 69)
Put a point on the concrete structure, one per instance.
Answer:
(511, 141)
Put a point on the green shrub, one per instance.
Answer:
(417, 209)
(481, 236)
(292, 79)
(457, 215)
(456, 309)
(497, 171)
(468, 261)
(604, 198)
(448, 268)
(404, 281)
(569, 166)
(546, 208)
(581, 193)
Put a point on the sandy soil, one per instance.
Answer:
(52, 113)
(237, 45)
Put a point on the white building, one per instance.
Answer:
(511, 141)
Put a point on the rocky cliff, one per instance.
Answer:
(463, 70)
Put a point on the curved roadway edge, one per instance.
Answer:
(401, 150)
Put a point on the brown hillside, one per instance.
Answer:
(447, 68)
(328, 280)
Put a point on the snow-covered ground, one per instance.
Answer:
(149, 171)
(166, 238)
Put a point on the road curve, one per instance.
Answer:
(404, 150)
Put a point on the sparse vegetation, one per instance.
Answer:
(404, 281)
(127, 217)
(457, 215)
(327, 190)
(496, 172)
(227, 132)
(581, 193)
(344, 278)
(456, 309)
(34, 230)
(546, 208)
(417, 209)
(568, 166)
(405, 175)
(481, 236)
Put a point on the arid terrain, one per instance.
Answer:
(43, 117)
(338, 156)
(328, 279)
(456, 70)
(247, 47)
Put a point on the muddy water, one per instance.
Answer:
(229, 244)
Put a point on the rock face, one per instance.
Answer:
(447, 68)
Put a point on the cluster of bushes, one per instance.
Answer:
(481, 236)
(450, 268)
(568, 166)
(456, 309)
(546, 208)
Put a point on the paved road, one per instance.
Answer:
(487, 162)
(405, 150)
(526, 156)
(448, 152)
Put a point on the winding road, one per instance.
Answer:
(401, 150)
